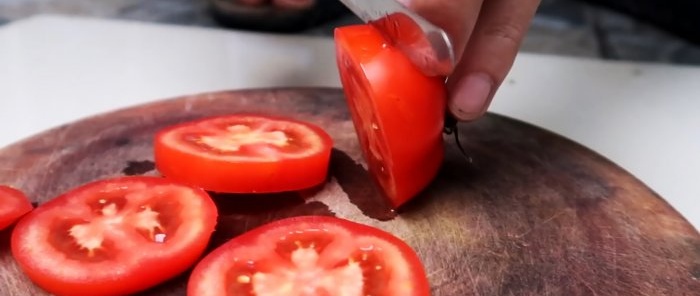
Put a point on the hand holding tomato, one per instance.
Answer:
(486, 35)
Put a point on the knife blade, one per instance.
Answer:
(425, 44)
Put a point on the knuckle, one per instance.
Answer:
(506, 32)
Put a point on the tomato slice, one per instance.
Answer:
(114, 236)
(243, 153)
(13, 205)
(311, 255)
(398, 112)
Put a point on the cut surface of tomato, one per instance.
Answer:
(311, 255)
(398, 112)
(244, 153)
(13, 205)
(114, 236)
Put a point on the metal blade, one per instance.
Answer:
(425, 44)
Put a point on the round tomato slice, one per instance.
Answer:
(398, 112)
(311, 255)
(244, 153)
(114, 236)
(13, 205)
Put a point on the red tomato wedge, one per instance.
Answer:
(243, 153)
(13, 205)
(398, 112)
(114, 236)
(311, 255)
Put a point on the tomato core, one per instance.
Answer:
(300, 272)
(244, 153)
(114, 236)
(311, 255)
(113, 217)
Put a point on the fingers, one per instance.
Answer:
(456, 17)
(488, 56)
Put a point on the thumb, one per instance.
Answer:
(488, 56)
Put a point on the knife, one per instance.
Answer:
(425, 44)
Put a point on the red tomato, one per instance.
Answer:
(244, 154)
(13, 205)
(114, 236)
(311, 255)
(398, 112)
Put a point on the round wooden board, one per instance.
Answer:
(526, 213)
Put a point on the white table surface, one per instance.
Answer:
(55, 70)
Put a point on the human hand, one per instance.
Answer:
(486, 36)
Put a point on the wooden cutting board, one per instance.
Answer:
(526, 213)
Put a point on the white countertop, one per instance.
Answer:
(54, 70)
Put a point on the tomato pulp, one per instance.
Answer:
(13, 205)
(244, 154)
(398, 112)
(311, 255)
(114, 236)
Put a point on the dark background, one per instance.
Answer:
(653, 31)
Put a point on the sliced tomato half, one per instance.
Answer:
(398, 112)
(244, 153)
(13, 205)
(311, 255)
(115, 236)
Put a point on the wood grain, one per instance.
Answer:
(526, 213)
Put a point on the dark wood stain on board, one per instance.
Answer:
(526, 213)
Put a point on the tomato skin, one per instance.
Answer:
(398, 112)
(13, 205)
(242, 175)
(139, 265)
(406, 276)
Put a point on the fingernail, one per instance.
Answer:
(471, 96)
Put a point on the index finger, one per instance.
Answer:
(456, 17)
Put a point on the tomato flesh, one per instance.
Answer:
(398, 112)
(13, 205)
(311, 255)
(244, 153)
(114, 236)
